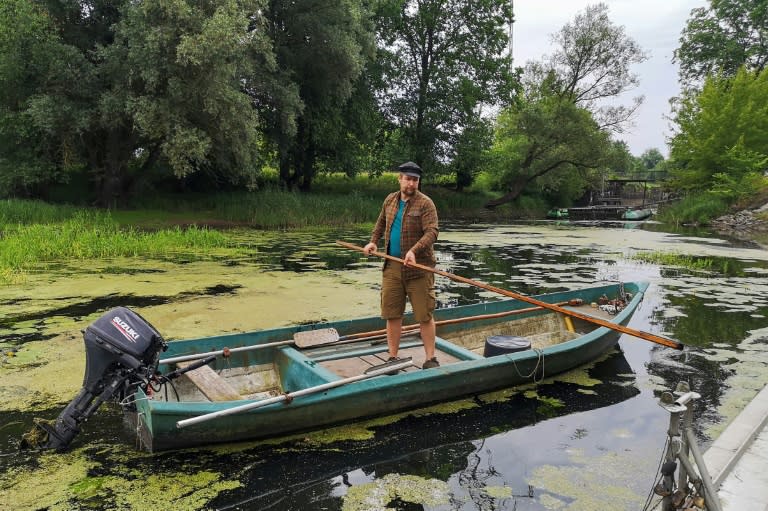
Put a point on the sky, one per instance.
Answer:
(654, 24)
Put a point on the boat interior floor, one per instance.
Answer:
(353, 366)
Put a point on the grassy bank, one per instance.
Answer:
(694, 210)
(336, 200)
(36, 237)
(34, 233)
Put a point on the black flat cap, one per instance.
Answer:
(410, 169)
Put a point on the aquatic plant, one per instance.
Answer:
(675, 259)
(94, 235)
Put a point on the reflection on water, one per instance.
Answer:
(597, 428)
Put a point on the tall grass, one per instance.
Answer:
(674, 259)
(93, 235)
(336, 200)
(696, 209)
(17, 211)
(279, 209)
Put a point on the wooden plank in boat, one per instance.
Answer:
(210, 383)
(353, 366)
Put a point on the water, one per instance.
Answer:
(589, 439)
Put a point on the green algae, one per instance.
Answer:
(406, 488)
(591, 483)
(498, 492)
(88, 487)
(51, 485)
(66, 481)
(182, 491)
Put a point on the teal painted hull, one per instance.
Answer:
(469, 373)
(636, 214)
(557, 214)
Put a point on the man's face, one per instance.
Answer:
(408, 185)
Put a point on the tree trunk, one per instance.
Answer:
(513, 193)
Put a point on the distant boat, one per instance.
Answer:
(611, 213)
(635, 214)
(557, 213)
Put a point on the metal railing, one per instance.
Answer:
(694, 485)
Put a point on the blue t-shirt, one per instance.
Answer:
(394, 231)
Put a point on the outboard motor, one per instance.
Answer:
(121, 353)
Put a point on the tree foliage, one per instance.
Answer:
(721, 141)
(559, 127)
(322, 47)
(546, 142)
(723, 37)
(441, 62)
(592, 61)
(119, 86)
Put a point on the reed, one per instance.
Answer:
(694, 209)
(279, 209)
(675, 259)
(94, 235)
(18, 211)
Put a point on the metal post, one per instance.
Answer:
(682, 478)
(672, 450)
(710, 495)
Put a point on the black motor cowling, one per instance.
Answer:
(121, 353)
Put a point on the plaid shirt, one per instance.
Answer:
(418, 231)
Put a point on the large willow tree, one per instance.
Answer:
(117, 87)
(559, 127)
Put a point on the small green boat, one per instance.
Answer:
(557, 213)
(636, 214)
(268, 386)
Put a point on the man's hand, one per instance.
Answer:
(369, 249)
(410, 258)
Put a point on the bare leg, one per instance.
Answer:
(428, 337)
(394, 328)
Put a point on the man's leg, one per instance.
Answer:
(427, 329)
(394, 328)
(421, 292)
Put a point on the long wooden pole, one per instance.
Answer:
(591, 319)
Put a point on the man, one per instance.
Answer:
(408, 223)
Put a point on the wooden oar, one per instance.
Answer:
(591, 319)
(287, 398)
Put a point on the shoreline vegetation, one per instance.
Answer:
(34, 233)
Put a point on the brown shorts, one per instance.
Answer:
(420, 292)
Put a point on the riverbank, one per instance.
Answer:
(747, 225)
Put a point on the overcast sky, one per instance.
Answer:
(655, 25)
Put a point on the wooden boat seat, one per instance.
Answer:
(210, 383)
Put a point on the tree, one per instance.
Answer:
(651, 158)
(471, 144)
(322, 47)
(30, 52)
(442, 61)
(121, 86)
(592, 62)
(721, 139)
(544, 143)
(561, 123)
(721, 38)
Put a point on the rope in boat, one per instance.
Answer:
(539, 360)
